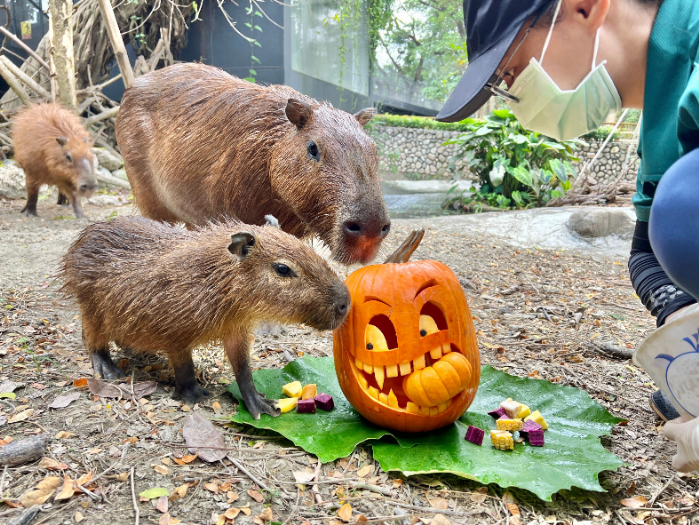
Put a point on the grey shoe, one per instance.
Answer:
(661, 405)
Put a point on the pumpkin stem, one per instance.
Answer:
(405, 250)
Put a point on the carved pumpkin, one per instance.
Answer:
(407, 356)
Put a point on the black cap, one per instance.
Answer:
(491, 27)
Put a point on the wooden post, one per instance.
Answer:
(29, 81)
(117, 42)
(14, 83)
(63, 55)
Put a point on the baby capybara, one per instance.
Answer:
(200, 144)
(151, 286)
(52, 147)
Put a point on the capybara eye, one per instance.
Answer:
(283, 270)
(312, 149)
(69, 158)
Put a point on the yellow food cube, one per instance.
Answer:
(537, 418)
(502, 440)
(309, 392)
(524, 411)
(293, 389)
(288, 404)
(509, 424)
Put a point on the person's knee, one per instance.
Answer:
(674, 223)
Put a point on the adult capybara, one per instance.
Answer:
(152, 286)
(200, 145)
(52, 147)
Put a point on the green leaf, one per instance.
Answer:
(250, 79)
(497, 174)
(517, 197)
(255, 59)
(522, 175)
(328, 435)
(572, 456)
(8, 395)
(258, 28)
(154, 493)
(559, 169)
(248, 24)
(252, 72)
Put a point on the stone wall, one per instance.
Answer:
(419, 154)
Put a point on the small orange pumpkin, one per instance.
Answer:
(407, 357)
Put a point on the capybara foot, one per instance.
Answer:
(63, 200)
(104, 367)
(191, 393)
(29, 213)
(257, 405)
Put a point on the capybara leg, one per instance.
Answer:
(32, 199)
(103, 365)
(186, 385)
(77, 207)
(236, 347)
(62, 199)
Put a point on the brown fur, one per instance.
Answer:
(155, 287)
(36, 132)
(200, 145)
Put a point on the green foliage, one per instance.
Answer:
(601, 133)
(515, 167)
(572, 456)
(404, 121)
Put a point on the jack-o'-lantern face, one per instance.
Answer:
(407, 357)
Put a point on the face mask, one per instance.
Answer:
(563, 115)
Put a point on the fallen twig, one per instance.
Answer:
(133, 498)
(245, 471)
(611, 350)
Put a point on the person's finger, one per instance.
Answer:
(673, 428)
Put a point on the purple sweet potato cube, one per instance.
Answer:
(475, 435)
(306, 406)
(325, 401)
(497, 414)
(536, 438)
(529, 426)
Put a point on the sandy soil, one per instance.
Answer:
(524, 302)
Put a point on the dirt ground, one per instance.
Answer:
(540, 313)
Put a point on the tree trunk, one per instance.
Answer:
(62, 51)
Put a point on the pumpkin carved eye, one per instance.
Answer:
(375, 340)
(427, 325)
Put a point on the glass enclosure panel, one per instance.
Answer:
(330, 42)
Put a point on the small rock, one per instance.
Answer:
(104, 200)
(120, 174)
(107, 160)
(12, 181)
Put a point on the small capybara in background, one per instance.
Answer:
(152, 286)
(200, 145)
(53, 147)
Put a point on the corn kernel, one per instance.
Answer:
(509, 424)
(502, 440)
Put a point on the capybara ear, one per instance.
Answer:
(62, 141)
(271, 220)
(364, 115)
(298, 112)
(241, 243)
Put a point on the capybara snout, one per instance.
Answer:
(53, 147)
(155, 287)
(251, 150)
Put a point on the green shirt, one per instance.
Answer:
(670, 126)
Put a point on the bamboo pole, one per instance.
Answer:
(63, 54)
(29, 81)
(25, 47)
(117, 42)
(14, 84)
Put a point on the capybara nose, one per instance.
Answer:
(366, 229)
(341, 303)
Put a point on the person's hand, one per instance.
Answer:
(686, 434)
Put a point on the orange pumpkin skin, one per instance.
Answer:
(400, 293)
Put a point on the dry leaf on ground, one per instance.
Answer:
(78, 517)
(41, 493)
(479, 495)
(254, 494)
(162, 504)
(345, 512)
(187, 458)
(439, 504)
(513, 508)
(440, 519)
(103, 389)
(301, 476)
(211, 487)
(634, 503)
(365, 471)
(64, 435)
(68, 489)
(245, 510)
(21, 416)
(64, 401)
(161, 469)
(80, 384)
(52, 464)
(200, 432)
(231, 513)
